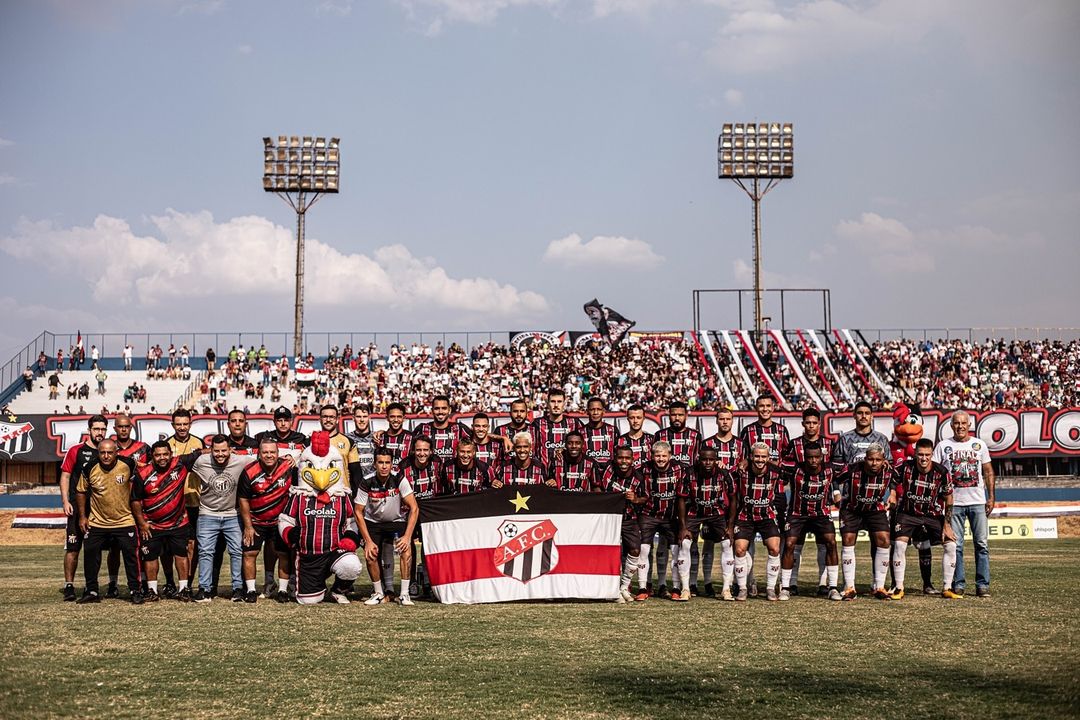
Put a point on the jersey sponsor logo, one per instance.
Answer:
(526, 550)
(16, 439)
(326, 512)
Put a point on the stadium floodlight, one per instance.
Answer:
(300, 171)
(747, 154)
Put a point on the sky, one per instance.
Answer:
(505, 161)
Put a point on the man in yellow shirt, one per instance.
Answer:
(107, 520)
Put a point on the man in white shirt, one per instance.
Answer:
(967, 459)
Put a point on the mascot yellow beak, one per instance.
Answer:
(320, 479)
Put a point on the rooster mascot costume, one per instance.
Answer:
(318, 525)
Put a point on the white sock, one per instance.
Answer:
(899, 563)
(628, 569)
(643, 567)
(831, 572)
(152, 584)
(881, 566)
(822, 555)
(682, 564)
(727, 561)
(785, 577)
(283, 584)
(404, 587)
(249, 585)
(948, 565)
(181, 585)
(740, 571)
(707, 560)
(772, 571)
(795, 567)
(848, 554)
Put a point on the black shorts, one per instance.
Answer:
(712, 528)
(649, 526)
(382, 533)
(747, 529)
(631, 536)
(313, 570)
(268, 534)
(193, 522)
(165, 542)
(781, 508)
(820, 526)
(918, 527)
(73, 534)
(852, 521)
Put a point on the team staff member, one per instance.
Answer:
(157, 503)
(379, 517)
(75, 461)
(290, 442)
(103, 497)
(138, 451)
(217, 475)
(182, 442)
(262, 494)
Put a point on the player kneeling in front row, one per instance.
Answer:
(318, 525)
(622, 477)
(811, 501)
(753, 512)
(867, 493)
(378, 509)
(708, 500)
(924, 503)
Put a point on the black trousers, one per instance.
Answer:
(98, 539)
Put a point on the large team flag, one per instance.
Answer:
(522, 543)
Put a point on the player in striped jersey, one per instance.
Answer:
(444, 435)
(126, 445)
(639, 441)
(776, 438)
(708, 497)
(466, 473)
(867, 493)
(684, 441)
(421, 469)
(290, 442)
(793, 457)
(396, 439)
(157, 503)
(522, 468)
(239, 441)
(727, 458)
(600, 437)
(519, 422)
(811, 502)
(262, 494)
(753, 512)
(489, 449)
(622, 477)
(550, 429)
(660, 515)
(573, 469)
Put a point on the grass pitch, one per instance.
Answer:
(1014, 655)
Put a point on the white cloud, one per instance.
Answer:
(480, 12)
(201, 7)
(8, 180)
(602, 251)
(743, 272)
(4, 142)
(341, 8)
(191, 256)
(244, 49)
(640, 8)
(734, 97)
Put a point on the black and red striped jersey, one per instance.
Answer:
(400, 445)
(684, 443)
(266, 490)
(138, 451)
(862, 492)
(708, 494)
(492, 451)
(727, 451)
(663, 487)
(456, 480)
(774, 435)
(600, 441)
(641, 446)
(811, 495)
(161, 493)
(610, 480)
(321, 525)
(424, 480)
(923, 494)
(574, 476)
(246, 445)
(509, 430)
(443, 440)
(549, 436)
(795, 453)
(76, 459)
(510, 474)
(291, 443)
(755, 495)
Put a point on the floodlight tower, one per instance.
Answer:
(755, 152)
(300, 171)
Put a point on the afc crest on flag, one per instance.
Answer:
(528, 550)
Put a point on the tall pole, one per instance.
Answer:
(298, 324)
(756, 197)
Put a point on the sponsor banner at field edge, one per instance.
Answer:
(1007, 433)
(998, 528)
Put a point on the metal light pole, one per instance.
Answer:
(753, 152)
(300, 171)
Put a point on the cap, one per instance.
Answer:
(283, 413)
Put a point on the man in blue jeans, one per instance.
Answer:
(967, 459)
(217, 475)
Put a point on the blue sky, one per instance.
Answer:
(504, 161)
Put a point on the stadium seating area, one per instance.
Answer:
(798, 367)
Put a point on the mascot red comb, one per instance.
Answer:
(318, 524)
